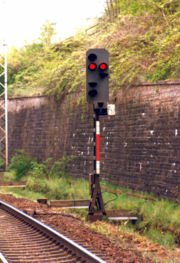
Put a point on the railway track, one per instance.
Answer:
(24, 239)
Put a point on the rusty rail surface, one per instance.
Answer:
(25, 239)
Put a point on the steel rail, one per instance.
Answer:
(2, 258)
(82, 252)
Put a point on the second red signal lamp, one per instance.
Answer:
(103, 66)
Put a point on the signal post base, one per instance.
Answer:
(96, 205)
(94, 217)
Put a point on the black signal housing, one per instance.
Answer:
(97, 77)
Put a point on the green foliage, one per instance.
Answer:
(142, 38)
(23, 66)
(134, 7)
(59, 187)
(47, 32)
(38, 170)
(9, 176)
(157, 219)
(162, 215)
(51, 70)
(165, 239)
(21, 163)
(51, 179)
(22, 193)
(61, 167)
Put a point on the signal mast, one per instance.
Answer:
(97, 94)
(3, 105)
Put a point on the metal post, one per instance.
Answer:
(97, 146)
(96, 205)
(96, 143)
(4, 108)
(6, 103)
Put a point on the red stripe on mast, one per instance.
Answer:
(97, 147)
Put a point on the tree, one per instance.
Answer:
(47, 32)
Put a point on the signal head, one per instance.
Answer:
(97, 75)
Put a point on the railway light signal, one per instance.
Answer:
(97, 77)
(97, 93)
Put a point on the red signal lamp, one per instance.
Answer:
(92, 66)
(103, 66)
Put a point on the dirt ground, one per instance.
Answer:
(125, 247)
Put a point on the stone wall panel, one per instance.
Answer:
(140, 145)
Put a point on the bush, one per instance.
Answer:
(21, 163)
(38, 170)
(46, 178)
(61, 167)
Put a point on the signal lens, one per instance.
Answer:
(92, 93)
(103, 66)
(92, 57)
(92, 66)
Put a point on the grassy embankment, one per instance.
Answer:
(142, 38)
(157, 219)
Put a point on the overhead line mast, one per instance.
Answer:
(4, 107)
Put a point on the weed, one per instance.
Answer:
(38, 170)
(61, 167)
(165, 239)
(21, 163)
(9, 176)
(157, 219)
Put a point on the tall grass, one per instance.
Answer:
(59, 188)
(157, 219)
